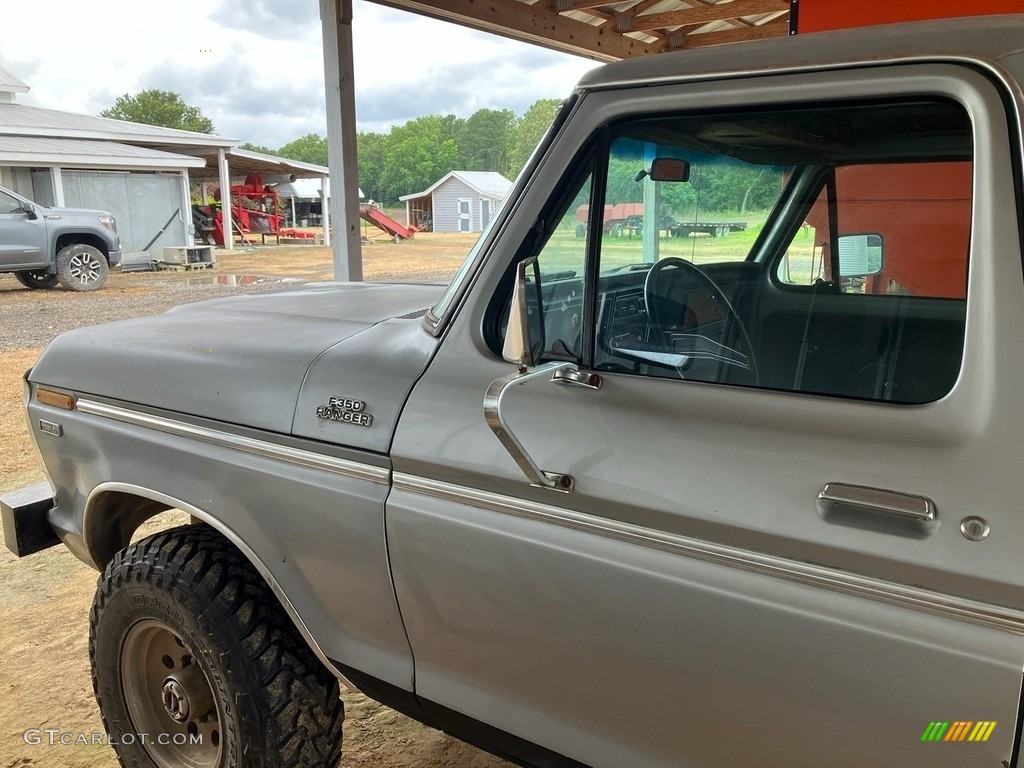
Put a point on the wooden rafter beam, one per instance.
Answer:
(531, 23)
(624, 20)
(581, 5)
(702, 14)
(778, 28)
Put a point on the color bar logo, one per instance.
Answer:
(959, 730)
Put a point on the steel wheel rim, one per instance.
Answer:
(169, 699)
(85, 268)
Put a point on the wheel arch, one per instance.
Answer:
(75, 237)
(114, 511)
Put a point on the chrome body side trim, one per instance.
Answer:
(262, 448)
(231, 536)
(822, 577)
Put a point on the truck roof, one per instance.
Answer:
(985, 38)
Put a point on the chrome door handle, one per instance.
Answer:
(577, 378)
(841, 497)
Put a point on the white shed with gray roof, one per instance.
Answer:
(462, 201)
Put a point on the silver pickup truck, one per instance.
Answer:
(614, 502)
(42, 246)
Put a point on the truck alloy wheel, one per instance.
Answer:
(36, 279)
(82, 268)
(196, 665)
(167, 692)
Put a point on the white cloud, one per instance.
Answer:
(272, 20)
(255, 66)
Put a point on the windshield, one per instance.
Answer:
(714, 216)
(461, 277)
(704, 189)
(438, 310)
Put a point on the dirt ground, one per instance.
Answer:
(45, 598)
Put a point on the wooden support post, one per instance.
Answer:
(339, 83)
(58, 186)
(225, 200)
(186, 209)
(652, 209)
(325, 215)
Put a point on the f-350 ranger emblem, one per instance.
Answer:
(346, 410)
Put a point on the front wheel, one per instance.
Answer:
(195, 663)
(36, 279)
(82, 268)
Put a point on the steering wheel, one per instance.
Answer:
(694, 345)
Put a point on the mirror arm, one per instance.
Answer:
(492, 413)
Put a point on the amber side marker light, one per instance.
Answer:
(56, 399)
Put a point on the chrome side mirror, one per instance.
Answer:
(518, 346)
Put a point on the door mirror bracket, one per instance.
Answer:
(492, 414)
(523, 348)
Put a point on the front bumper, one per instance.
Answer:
(24, 516)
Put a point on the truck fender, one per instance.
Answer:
(103, 537)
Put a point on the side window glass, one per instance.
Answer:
(902, 229)
(562, 267)
(8, 204)
(813, 250)
(806, 260)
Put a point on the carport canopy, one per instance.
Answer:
(245, 163)
(223, 163)
(597, 29)
(610, 31)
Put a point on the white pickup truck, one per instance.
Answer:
(646, 502)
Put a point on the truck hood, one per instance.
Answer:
(67, 212)
(243, 360)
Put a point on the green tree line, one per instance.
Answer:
(412, 156)
(716, 185)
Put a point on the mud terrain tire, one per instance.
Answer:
(82, 268)
(36, 279)
(187, 641)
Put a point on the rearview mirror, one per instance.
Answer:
(667, 169)
(30, 210)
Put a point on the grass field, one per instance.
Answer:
(564, 251)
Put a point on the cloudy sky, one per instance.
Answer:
(255, 68)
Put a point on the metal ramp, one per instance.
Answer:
(389, 225)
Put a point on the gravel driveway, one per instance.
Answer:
(33, 318)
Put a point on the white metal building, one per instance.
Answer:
(140, 173)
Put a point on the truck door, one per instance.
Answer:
(22, 239)
(698, 528)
